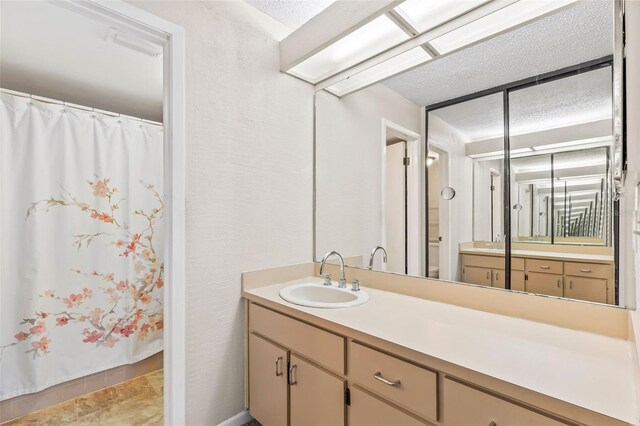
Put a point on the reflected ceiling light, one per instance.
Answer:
(365, 42)
(430, 160)
(426, 14)
(496, 22)
(572, 143)
(397, 64)
(500, 153)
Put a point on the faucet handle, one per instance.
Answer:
(355, 285)
(327, 279)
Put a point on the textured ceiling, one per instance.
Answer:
(574, 35)
(292, 13)
(578, 99)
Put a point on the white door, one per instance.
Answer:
(395, 207)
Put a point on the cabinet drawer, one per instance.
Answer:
(483, 261)
(466, 406)
(589, 270)
(544, 266)
(365, 410)
(517, 263)
(325, 348)
(590, 289)
(415, 387)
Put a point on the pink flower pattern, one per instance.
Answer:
(133, 309)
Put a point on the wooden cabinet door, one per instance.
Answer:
(497, 279)
(474, 275)
(365, 410)
(316, 397)
(543, 283)
(465, 406)
(267, 382)
(581, 288)
(517, 279)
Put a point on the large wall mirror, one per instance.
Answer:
(491, 163)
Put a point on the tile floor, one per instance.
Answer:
(134, 402)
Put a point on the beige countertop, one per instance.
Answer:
(588, 370)
(540, 254)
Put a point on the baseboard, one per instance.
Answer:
(238, 420)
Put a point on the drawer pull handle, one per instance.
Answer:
(585, 270)
(293, 381)
(545, 267)
(278, 369)
(378, 376)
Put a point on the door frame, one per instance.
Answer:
(414, 142)
(172, 37)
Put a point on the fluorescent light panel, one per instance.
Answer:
(399, 63)
(496, 22)
(382, 34)
(426, 14)
(364, 43)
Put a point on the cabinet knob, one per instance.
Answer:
(278, 366)
(492, 423)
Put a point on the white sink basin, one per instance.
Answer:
(317, 295)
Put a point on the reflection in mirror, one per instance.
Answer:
(468, 136)
(518, 124)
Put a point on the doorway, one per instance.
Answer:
(400, 209)
(120, 24)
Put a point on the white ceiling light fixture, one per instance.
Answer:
(363, 43)
(132, 42)
(497, 22)
(427, 14)
(398, 64)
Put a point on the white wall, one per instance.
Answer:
(349, 173)
(249, 184)
(459, 210)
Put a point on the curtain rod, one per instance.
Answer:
(76, 106)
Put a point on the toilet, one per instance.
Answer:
(434, 272)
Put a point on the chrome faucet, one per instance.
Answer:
(373, 254)
(342, 283)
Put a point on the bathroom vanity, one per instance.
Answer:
(571, 274)
(406, 360)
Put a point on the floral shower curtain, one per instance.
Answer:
(81, 243)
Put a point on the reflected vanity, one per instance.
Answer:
(503, 178)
